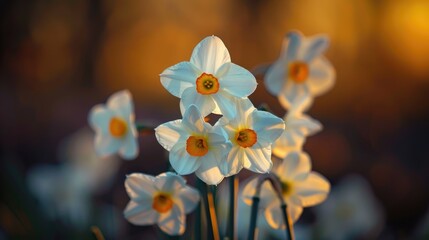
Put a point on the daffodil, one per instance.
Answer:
(163, 200)
(301, 70)
(209, 80)
(114, 126)
(301, 187)
(298, 127)
(251, 132)
(194, 145)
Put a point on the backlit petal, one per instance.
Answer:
(169, 133)
(179, 77)
(193, 120)
(225, 105)
(293, 94)
(130, 148)
(275, 77)
(237, 80)
(210, 54)
(106, 145)
(209, 171)
(139, 186)
(267, 126)
(140, 214)
(204, 103)
(99, 118)
(274, 215)
(291, 45)
(121, 103)
(314, 47)
(296, 165)
(169, 182)
(233, 163)
(312, 190)
(181, 161)
(258, 159)
(322, 76)
(190, 198)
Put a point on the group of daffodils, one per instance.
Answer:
(244, 137)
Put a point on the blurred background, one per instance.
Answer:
(59, 58)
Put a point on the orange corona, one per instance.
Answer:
(117, 127)
(207, 84)
(298, 71)
(162, 202)
(196, 146)
(246, 138)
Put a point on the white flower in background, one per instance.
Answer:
(210, 80)
(351, 212)
(194, 145)
(162, 200)
(298, 127)
(301, 70)
(251, 133)
(301, 188)
(114, 126)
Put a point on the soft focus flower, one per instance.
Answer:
(298, 127)
(210, 80)
(251, 133)
(162, 200)
(194, 145)
(350, 212)
(301, 187)
(114, 126)
(301, 70)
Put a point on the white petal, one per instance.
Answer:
(169, 133)
(314, 47)
(293, 94)
(217, 136)
(209, 171)
(258, 159)
(99, 118)
(204, 103)
(179, 77)
(236, 80)
(139, 186)
(267, 126)
(193, 120)
(106, 145)
(210, 54)
(291, 45)
(313, 190)
(174, 223)
(181, 161)
(190, 198)
(322, 76)
(274, 215)
(225, 104)
(275, 77)
(140, 214)
(300, 105)
(304, 124)
(130, 147)
(233, 163)
(287, 143)
(169, 182)
(121, 103)
(296, 165)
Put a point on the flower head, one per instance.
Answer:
(114, 126)
(301, 187)
(301, 71)
(210, 80)
(251, 133)
(162, 200)
(194, 145)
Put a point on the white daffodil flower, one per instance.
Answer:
(114, 126)
(251, 133)
(194, 145)
(162, 200)
(298, 127)
(301, 71)
(210, 80)
(351, 211)
(301, 188)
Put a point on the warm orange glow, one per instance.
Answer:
(117, 127)
(162, 202)
(197, 146)
(246, 138)
(207, 84)
(298, 71)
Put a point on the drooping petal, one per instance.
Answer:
(225, 104)
(313, 190)
(210, 54)
(296, 165)
(169, 182)
(314, 47)
(204, 103)
(140, 214)
(322, 76)
(236, 80)
(169, 133)
(209, 171)
(192, 120)
(267, 126)
(121, 103)
(181, 161)
(179, 77)
(258, 159)
(106, 145)
(129, 149)
(139, 186)
(233, 163)
(174, 223)
(275, 77)
(99, 118)
(189, 197)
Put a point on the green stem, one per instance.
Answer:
(212, 225)
(233, 185)
(287, 220)
(141, 128)
(198, 212)
(253, 218)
